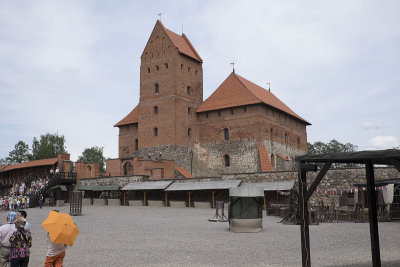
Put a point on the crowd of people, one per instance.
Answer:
(19, 195)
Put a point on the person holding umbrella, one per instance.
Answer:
(20, 242)
(61, 231)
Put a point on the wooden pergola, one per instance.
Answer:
(368, 158)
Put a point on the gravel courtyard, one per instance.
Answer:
(150, 236)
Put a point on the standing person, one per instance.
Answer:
(55, 253)
(6, 232)
(27, 202)
(41, 201)
(23, 214)
(20, 242)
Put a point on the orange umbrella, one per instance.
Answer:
(61, 228)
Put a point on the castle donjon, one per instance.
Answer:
(174, 133)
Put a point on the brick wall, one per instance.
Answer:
(87, 170)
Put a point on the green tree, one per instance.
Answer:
(48, 146)
(93, 155)
(19, 154)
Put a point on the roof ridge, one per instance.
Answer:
(237, 76)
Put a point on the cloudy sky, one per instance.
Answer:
(72, 67)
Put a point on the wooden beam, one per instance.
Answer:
(317, 180)
(304, 220)
(372, 212)
(144, 198)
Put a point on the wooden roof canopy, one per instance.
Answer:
(369, 158)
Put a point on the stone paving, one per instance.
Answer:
(151, 236)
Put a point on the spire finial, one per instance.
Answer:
(159, 15)
(182, 29)
(269, 87)
(233, 67)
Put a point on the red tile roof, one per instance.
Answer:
(132, 117)
(182, 43)
(184, 172)
(28, 164)
(283, 157)
(266, 165)
(237, 91)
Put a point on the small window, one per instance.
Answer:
(166, 65)
(189, 69)
(219, 113)
(155, 131)
(148, 70)
(156, 88)
(227, 160)
(189, 131)
(226, 134)
(189, 109)
(245, 108)
(157, 68)
(155, 109)
(188, 90)
(196, 72)
(206, 114)
(181, 66)
(231, 111)
(136, 144)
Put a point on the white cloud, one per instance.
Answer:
(369, 125)
(384, 142)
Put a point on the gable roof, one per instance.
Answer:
(33, 163)
(237, 91)
(181, 42)
(132, 117)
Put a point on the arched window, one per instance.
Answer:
(189, 131)
(166, 65)
(189, 109)
(89, 168)
(155, 131)
(181, 66)
(156, 88)
(148, 70)
(188, 90)
(231, 111)
(155, 109)
(189, 69)
(136, 144)
(286, 139)
(273, 161)
(128, 168)
(227, 160)
(196, 72)
(226, 134)
(157, 68)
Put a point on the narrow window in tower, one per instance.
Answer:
(155, 109)
(166, 65)
(189, 109)
(188, 90)
(157, 68)
(207, 115)
(148, 70)
(227, 160)
(219, 113)
(196, 72)
(136, 144)
(226, 134)
(231, 111)
(189, 69)
(155, 131)
(156, 88)
(189, 131)
(181, 66)
(245, 108)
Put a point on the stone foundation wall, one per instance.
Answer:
(120, 180)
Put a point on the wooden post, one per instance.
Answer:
(124, 198)
(189, 193)
(304, 220)
(265, 201)
(373, 222)
(213, 199)
(166, 199)
(144, 198)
